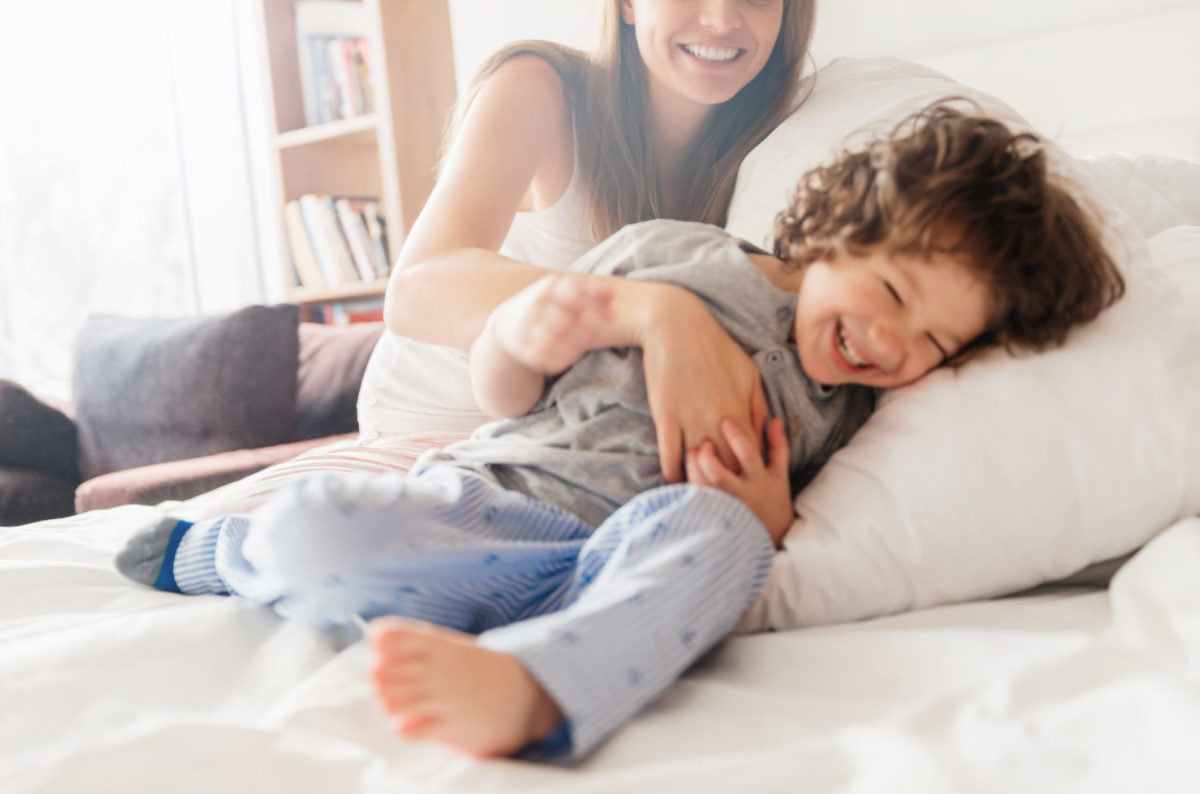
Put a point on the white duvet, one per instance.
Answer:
(105, 687)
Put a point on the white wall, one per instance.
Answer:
(480, 27)
(1099, 75)
(124, 176)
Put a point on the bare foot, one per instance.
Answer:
(439, 684)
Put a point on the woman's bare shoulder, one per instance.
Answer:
(523, 109)
(528, 81)
(523, 99)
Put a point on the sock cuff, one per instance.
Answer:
(166, 574)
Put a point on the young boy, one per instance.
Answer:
(589, 584)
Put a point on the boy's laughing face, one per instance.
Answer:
(884, 319)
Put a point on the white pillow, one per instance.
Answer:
(1157, 191)
(1012, 471)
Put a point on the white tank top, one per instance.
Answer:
(412, 386)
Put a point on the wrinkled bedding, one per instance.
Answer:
(110, 688)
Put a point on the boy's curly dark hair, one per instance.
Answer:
(941, 171)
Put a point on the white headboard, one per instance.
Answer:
(1097, 75)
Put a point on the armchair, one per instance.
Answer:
(170, 408)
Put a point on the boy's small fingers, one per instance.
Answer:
(716, 473)
(778, 450)
(566, 287)
(601, 296)
(710, 468)
(691, 467)
(745, 450)
(581, 296)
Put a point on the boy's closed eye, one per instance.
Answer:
(941, 349)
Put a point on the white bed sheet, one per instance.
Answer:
(106, 687)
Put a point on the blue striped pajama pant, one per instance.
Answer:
(605, 620)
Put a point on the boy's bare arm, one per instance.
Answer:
(501, 384)
(538, 332)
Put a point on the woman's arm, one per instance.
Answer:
(514, 150)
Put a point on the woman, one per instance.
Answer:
(553, 151)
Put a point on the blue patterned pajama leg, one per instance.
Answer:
(444, 547)
(605, 621)
(660, 582)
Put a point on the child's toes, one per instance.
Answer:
(401, 687)
(395, 639)
(414, 725)
(389, 673)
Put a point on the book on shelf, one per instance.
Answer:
(334, 51)
(336, 241)
(304, 256)
(333, 254)
(366, 310)
(350, 217)
(377, 232)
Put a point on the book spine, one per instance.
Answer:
(366, 310)
(362, 67)
(313, 211)
(340, 77)
(337, 241)
(377, 232)
(300, 244)
(356, 237)
(327, 104)
(354, 92)
(310, 81)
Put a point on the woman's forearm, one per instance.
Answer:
(448, 300)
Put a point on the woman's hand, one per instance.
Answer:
(765, 489)
(696, 375)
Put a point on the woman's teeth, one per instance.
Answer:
(704, 53)
(848, 352)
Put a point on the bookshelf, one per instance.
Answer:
(385, 151)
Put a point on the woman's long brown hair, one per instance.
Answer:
(607, 94)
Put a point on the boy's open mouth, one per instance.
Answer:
(844, 346)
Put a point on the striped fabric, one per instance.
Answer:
(391, 455)
(659, 583)
(604, 620)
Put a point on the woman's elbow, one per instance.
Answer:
(396, 314)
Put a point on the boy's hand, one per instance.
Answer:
(551, 323)
(765, 489)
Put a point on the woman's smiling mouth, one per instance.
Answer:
(712, 54)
